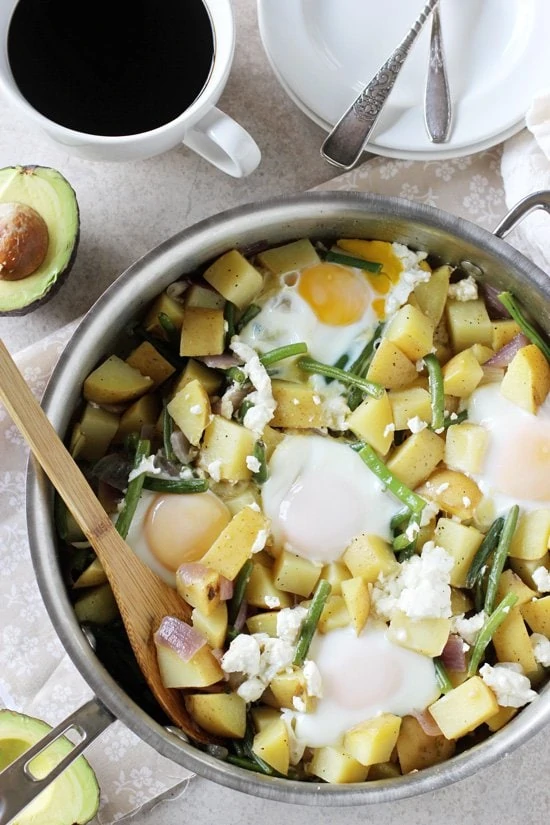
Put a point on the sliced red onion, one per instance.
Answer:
(217, 653)
(231, 400)
(241, 616)
(220, 362)
(226, 589)
(495, 309)
(427, 722)
(179, 637)
(504, 355)
(177, 290)
(192, 572)
(113, 469)
(453, 655)
(181, 447)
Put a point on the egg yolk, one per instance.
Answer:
(181, 528)
(335, 294)
(380, 252)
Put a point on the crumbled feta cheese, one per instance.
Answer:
(419, 365)
(251, 689)
(412, 531)
(186, 473)
(297, 747)
(146, 465)
(464, 290)
(255, 506)
(299, 704)
(468, 629)
(214, 469)
(259, 541)
(429, 512)
(289, 623)
(416, 425)
(195, 409)
(259, 658)
(541, 648)
(253, 464)
(335, 412)
(408, 279)
(316, 400)
(263, 404)
(453, 416)
(388, 429)
(277, 655)
(541, 577)
(440, 488)
(242, 656)
(272, 602)
(296, 402)
(314, 683)
(508, 683)
(466, 501)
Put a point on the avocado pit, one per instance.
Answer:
(24, 240)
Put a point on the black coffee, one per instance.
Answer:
(110, 67)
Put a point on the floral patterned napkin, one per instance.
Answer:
(36, 676)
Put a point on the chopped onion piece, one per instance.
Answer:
(226, 589)
(220, 362)
(241, 616)
(504, 355)
(427, 722)
(181, 447)
(453, 655)
(179, 637)
(497, 311)
(193, 572)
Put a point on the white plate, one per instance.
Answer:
(325, 51)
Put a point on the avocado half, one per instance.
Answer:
(71, 798)
(51, 195)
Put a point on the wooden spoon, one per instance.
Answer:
(142, 597)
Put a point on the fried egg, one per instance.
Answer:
(319, 495)
(385, 678)
(170, 529)
(516, 463)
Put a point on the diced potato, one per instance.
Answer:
(298, 406)
(501, 718)
(261, 590)
(98, 428)
(93, 575)
(427, 636)
(202, 670)
(164, 305)
(532, 535)
(503, 332)
(295, 574)
(271, 439)
(263, 623)
(384, 770)
(289, 258)
(237, 495)
(465, 447)
(237, 542)
(203, 332)
(453, 492)
(202, 296)
(229, 444)
(77, 443)
(526, 567)
(148, 360)
(415, 459)
(234, 278)
(289, 690)
(462, 374)
(374, 740)
(410, 403)
(262, 716)
(511, 642)
(97, 605)
(115, 382)
(411, 331)
(481, 352)
(272, 745)
(195, 371)
(336, 766)
(465, 707)
(417, 750)
(390, 367)
(537, 615)
(190, 409)
(461, 602)
(369, 556)
(202, 592)
(335, 614)
(357, 598)
(462, 543)
(142, 413)
(212, 626)
(527, 380)
(222, 714)
(335, 573)
(510, 582)
(468, 323)
(372, 421)
(432, 295)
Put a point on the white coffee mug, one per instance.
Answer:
(202, 126)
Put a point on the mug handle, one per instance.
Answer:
(219, 139)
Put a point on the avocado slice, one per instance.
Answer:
(49, 193)
(71, 798)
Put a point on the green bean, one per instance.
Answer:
(351, 260)
(485, 549)
(169, 327)
(260, 476)
(236, 374)
(403, 544)
(133, 492)
(239, 590)
(500, 556)
(445, 684)
(311, 620)
(175, 485)
(510, 303)
(341, 362)
(399, 519)
(455, 418)
(229, 317)
(247, 316)
(368, 387)
(492, 623)
(260, 765)
(414, 502)
(362, 362)
(130, 443)
(167, 429)
(243, 409)
(435, 383)
(247, 764)
(280, 353)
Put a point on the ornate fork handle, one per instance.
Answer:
(344, 144)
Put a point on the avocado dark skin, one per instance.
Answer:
(49, 193)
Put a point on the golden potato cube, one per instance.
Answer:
(272, 745)
(461, 602)
(390, 367)
(190, 409)
(427, 636)
(453, 492)
(464, 708)
(415, 459)
(142, 413)
(295, 574)
(98, 428)
(203, 332)
(374, 740)
(271, 438)
(462, 543)
(237, 542)
(234, 278)
(468, 323)
(164, 305)
(384, 770)
(372, 421)
(537, 615)
(357, 598)
(226, 445)
(195, 371)
(481, 352)
(335, 614)
(263, 715)
(336, 766)
(510, 582)
(222, 714)
(212, 626)
(369, 556)
(511, 642)
(202, 670)
(298, 406)
(247, 497)
(411, 331)
(532, 535)
(289, 258)
(261, 590)
(148, 360)
(202, 592)
(289, 690)
(410, 403)
(203, 296)
(417, 750)
(93, 575)
(527, 380)
(526, 567)
(97, 605)
(335, 573)
(263, 623)
(465, 447)
(432, 295)
(462, 374)
(115, 382)
(501, 718)
(503, 332)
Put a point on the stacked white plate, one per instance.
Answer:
(324, 52)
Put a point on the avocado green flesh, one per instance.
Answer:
(71, 798)
(47, 191)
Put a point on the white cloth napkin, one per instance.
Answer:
(526, 169)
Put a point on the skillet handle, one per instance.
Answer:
(18, 786)
(538, 200)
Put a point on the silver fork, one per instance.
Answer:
(437, 100)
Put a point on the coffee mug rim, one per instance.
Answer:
(221, 16)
